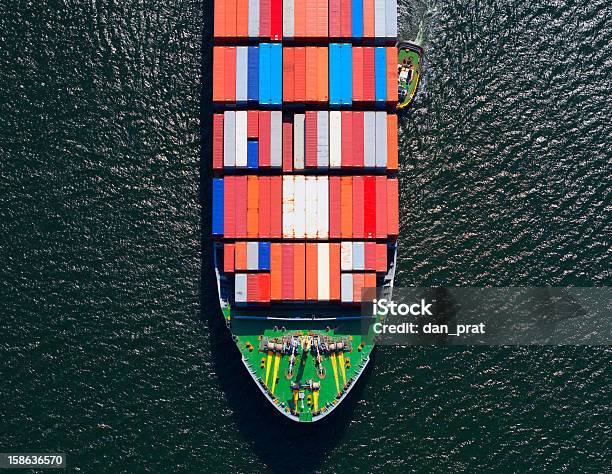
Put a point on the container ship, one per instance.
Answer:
(305, 189)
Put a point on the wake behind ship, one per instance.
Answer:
(305, 193)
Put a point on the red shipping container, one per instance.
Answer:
(322, 75)
(217, 141)
(368, 18)
(299, 89)
(230, 18)
(230, 74)
(288, 74)
(392, 142)
(381, 207)
(322, 18)
(218, 74)
(381, 255)
(370, 256)
(276, 212)
(334, 18)
(334, 207)
(346, 207)
(264, 138)
(228, 258)
(311, 74)
(346, 18)
(252, 206)
(312, 274)
(287, 147)
(264, 287)
(276, 20)
(299, 271)
(287, 272)
(275, 271)
(265, 17)
(229, 207)
(369, 207)
(311, 139)
(334, 271)
(252, 124)
(346, 132)
(368, 75)
(219, 20)
(358, 284)
(240, 198)
(358, 207)
(358, 139)
(242, 18)
(252, 287)
(358, 74)
(264, 207)
(392, 207)
(392, 75)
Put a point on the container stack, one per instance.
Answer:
(305, 193)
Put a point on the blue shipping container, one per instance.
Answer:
(276, 73)
(334, 74)
(253, 86)
(380, 74)
(347, 74)
(357, 9)
(217, 211)
(264, 73)
(252, 154)
(264, 255)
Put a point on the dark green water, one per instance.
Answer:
(111, 347)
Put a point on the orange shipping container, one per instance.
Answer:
(218, 74)
(322, 75)
(392, 74)
(276, 200)
(358, 282)
(299, 272)
(242, 18)
(275, 271)
(346, 207)
(299, 18)
(392, 142)
(334, 271)
(381, 257)
(240, 256)
(219, 28)
(252, 207)
(230, 74)
(299, 90)
(311, 18)
(311, 73)
(322, 18)
(230, 18)
(369, 281)
(228, 258)
(311, 271)
(264, 207)
(368, 18)
(392, 207)
(288, 74)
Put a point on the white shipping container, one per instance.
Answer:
(241, 139)
(323, 271)
(358, 256)
(242, 64)
(252, 255)
(390, 18)
(298, 141)
(253, 18)
(369, 139)
(276, 139)
(379, 18)
(381, 139)
(240, 288)
(322, 207)
(346, 256)
(229, 139)
(346, 288)
(288, 14)
(299, 216)
(322, 139)
(335, 139)
(311, 207)
(288, 207)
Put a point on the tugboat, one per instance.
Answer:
(410, 59)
